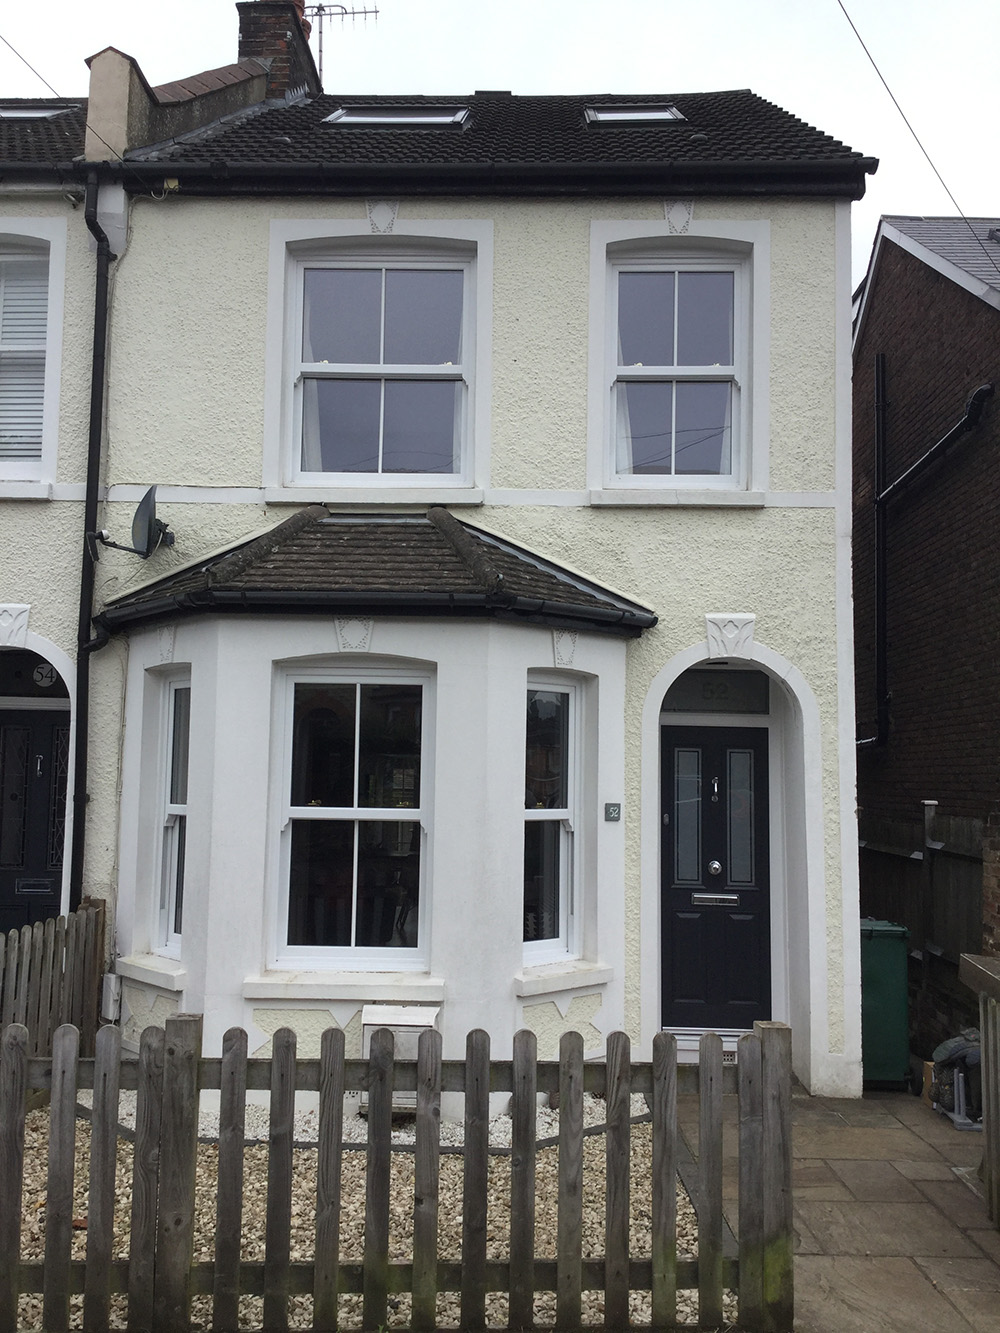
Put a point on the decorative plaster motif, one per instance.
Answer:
(548, 1023)
(678, 213)
(354, 635)
(14, 625)
(165, 643)
(382, 214)
(729, 635)
(144, 1008)
(564, 646)
(308, 1026)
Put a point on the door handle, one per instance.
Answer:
(715, 867)
(38, 765)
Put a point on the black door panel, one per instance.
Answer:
(715, 917)
(34, 755)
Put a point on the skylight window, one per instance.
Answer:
(631, 115)
(398, 115)
(35, 112)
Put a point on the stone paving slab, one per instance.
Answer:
(871, 1181)
(884, 1229)
(956, 1200)
(925, 1170)
(860, 1144)
(849, 1294)
(980, 1308)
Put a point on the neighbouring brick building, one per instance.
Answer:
(927, 632)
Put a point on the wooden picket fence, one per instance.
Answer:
(160, 1276)
(50, 974)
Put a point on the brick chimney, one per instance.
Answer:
(276, 32)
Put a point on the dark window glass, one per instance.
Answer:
(420, 426)
(341, 425)
(718, 690)
(705, 319)
(13, 794)
(645, 428)
(541, 879)
(179, 747)
(389, 768)
(702, 429)
(545, 775)
(321, 882)
(323, 745)
(388, 884)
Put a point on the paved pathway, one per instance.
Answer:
(891, 1236)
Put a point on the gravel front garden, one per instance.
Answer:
(353, 1205)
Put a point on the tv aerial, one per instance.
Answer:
(148, 531)
(320, 12)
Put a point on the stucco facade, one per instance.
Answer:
(196, 373)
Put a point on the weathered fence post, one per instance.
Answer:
(13, 1086)
(426, 1173)
(474, 1202)
(59, 1189)
(101, 1202)
(710, 1180)
(752, 1185)
(178, 1168)
(229, 1200)
(569, 1238)
(278, 1226)
(779, 1234)
(331, 1132)
(145, 1181)
(522, 1179)
(664, 1200)
(376, 1260)
(616, 1214)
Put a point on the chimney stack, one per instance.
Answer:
(276, 32)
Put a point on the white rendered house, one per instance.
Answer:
(501, 667)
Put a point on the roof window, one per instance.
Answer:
(398, 115)
(631, 115)
(40, 111)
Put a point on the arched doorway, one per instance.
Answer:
(34, 767)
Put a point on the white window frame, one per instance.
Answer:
(174, 816)
(353, 958)
(742, 248)
(447, 244)
(37, 238)
(567, 944)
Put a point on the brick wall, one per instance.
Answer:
(940, 343)
(991, 886)
(275, 32)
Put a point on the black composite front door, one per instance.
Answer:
(714, 877)
(34, 753)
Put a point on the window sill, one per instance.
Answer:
(397, 986)
(550, 977)
(154, 970)
(25, 490)
(678, 495)
(374, 495)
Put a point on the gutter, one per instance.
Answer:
(85, 644)
(974, 409)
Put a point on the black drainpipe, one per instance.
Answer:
(85, 643)
(883, 494)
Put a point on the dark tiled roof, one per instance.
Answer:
(964, 242)
(48, 141)
(406, 564)
(737, 132)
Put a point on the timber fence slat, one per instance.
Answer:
(710, 1181)
(331, 1133)
(776, 1159)
(145, 1180)
(101, 1199)
(989, 1009)
(13, 1086)
(376, 1261)
(229, 1196)
(426, 1173)
(4, 1019)
(34, 984)
(569, 1227)
(664, 1190)
(278, 1227)
(73, 973)
(617, 1148)
(177, 1172)
(476, 1178)
(752, 1184)
(59, 1187)
(522, 1180)
(46, 1017)
(23, 976)
(92, 968)
(10, 975)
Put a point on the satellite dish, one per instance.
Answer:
(148, 531)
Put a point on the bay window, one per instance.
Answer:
(549, 820)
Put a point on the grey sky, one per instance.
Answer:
(798, 53)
